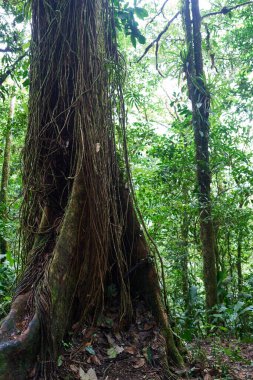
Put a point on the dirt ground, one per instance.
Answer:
(105, 353)
(225, 359)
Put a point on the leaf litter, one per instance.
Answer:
(112, 353)
(106, 352)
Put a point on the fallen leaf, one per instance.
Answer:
(114, 350)
(90, 350)
(111, 341)
(92, 374)
(208, 377)
(83, 375)
(93, 359)
(139, 363)
(118, 349)
(130, 350)
(111, 352)
(73, 368)
(88, 333)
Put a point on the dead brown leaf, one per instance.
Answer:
(74, 368)
(139, 363)
(88, 333)
(130, 350)
(208, 377)
(93, 359)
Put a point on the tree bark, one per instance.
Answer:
(230, 261)
(239, 261)
(185, 259)
(200, 98)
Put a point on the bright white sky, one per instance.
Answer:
(204, 4)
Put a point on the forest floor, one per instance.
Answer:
(217, 358)
(104, 353)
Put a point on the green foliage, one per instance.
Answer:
(160, 139)
(125, 20)
(7, 277)
(14, 44)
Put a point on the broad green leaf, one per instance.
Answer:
(133, 40)
(141, 12)
(141, 39)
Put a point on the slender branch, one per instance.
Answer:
(9, 71)
(158, 14)
(7, 49)
(156, 41)
(156, 59)
(226, 10)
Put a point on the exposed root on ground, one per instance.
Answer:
(19, 340)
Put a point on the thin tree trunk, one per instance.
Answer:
(239, 262)
(216, 245)
(184, 260)
(230, 261)
(200, 99)
(5, 176)
(239, 254)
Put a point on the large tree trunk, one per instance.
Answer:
(200, 99)
(80, 231)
